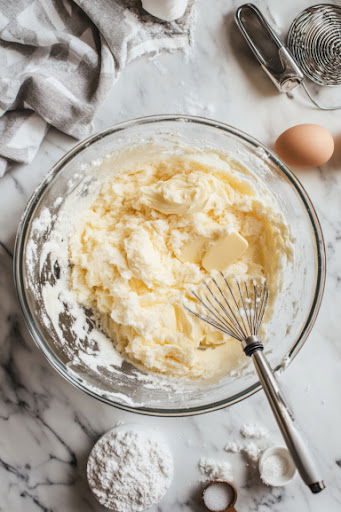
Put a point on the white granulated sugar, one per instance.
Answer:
(129, 470)
(215, 469)
(254, 431)
(218, 496)
(274, 469)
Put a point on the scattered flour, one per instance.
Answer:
(215, 470)
(129, 470)
(233, 447)
(192, 104)
(250, 450)
(254, 431)
(253, 449)
(251, 444)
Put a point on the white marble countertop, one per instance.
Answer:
(46, 426)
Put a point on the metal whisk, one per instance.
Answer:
(237, 308)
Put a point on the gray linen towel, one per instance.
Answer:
(59, 58)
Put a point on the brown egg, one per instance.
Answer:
(305, 145)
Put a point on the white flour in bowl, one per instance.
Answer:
(129, 470)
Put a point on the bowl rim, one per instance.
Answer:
(18, 263)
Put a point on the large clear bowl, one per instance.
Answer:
(296, 307)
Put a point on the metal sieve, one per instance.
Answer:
(314, 40)
(313, 49)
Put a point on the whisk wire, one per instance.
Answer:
(263, 303)
(225, 312)
(255, 307)
(219, 321)
(243, 310)
(232, 317)
(255, 314)
(234, 307)
(250, 312)
(211, 309)
(209, 320)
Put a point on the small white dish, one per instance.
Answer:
(276, 466)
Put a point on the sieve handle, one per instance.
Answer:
(296, 445)
(269, 50)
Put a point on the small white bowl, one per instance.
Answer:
(276, 466)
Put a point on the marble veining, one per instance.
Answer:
(47, 427)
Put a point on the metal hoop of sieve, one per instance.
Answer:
(313, 49)
(314, 40)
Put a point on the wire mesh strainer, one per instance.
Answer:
(313, 48)
(314, 40)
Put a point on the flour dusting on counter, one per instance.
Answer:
(254, 431)
(213, 469)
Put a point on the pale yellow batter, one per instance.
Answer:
(157, 228)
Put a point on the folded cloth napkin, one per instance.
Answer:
(59, 58)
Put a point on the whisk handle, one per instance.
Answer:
(293, 438)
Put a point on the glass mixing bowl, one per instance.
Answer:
(127, 387)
